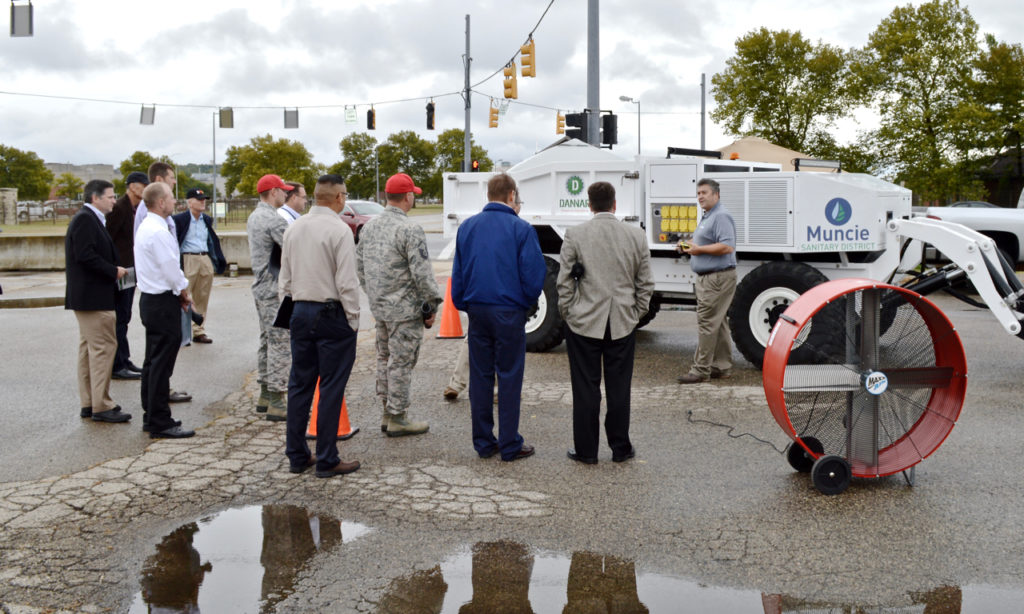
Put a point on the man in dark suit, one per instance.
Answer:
(90, 265)
(201, 256)
(604, 288)
(121, 227)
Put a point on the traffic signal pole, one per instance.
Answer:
(466, 147)
(593, 73)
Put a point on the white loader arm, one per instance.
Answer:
(977, 256)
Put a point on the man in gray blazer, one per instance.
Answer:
(604, 288)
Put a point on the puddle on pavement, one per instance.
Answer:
(508, 577)
(240, 560)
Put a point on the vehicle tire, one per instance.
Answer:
(544, 327)
(762, 296)
(48, 215)
(652, 311)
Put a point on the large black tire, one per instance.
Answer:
(544, 328)
(652, 311)
(762, 296)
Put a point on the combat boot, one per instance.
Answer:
(399, 425)
(263, 401)
(277, 408)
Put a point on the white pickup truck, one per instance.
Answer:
(1004, 226)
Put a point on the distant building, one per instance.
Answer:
(85, 172)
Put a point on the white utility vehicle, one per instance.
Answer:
(795, 230)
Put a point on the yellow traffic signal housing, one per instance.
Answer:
(511, 86)
(493, 123)
(529, 59)
(559, 124)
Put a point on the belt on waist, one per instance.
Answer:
(728, 268)
(197, 253)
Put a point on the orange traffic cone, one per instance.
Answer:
(345, 430)
(451, 325)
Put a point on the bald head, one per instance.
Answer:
(159, 199)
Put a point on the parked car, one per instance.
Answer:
(63, 207)
(31, 210)
(1005, 226)
(976, 204)
(358, 212)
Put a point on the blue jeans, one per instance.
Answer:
(497, 348)
(324, 347)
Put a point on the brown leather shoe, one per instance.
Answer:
(720, 374)
(340, 469)
(202, 339)
(691, 378)
(450, 394)
(526, 450)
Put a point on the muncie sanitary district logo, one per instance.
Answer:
(838, 211)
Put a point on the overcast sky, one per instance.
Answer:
(288, 53)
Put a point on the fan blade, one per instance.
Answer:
(920, 377)
(870, 308)
(821, 378)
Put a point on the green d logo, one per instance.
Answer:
(574, 185)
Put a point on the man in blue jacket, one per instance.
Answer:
(497, 276)
(201, 256)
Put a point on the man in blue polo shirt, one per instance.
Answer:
(497, 275)
(713, 259)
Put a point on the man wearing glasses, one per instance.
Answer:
(265, 228)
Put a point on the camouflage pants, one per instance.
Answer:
(398, 349)
(275, 353)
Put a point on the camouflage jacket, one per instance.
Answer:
(394, 267)
(266, 236)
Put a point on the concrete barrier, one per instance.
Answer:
(46, 252)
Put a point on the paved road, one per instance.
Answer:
(695, 505)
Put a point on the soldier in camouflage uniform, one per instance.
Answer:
(394, 269)
(265, 228)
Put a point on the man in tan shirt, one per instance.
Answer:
(318, 270)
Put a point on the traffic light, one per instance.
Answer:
(371, 120)
(577, 126)
(493, 123)
(610, 129)
(511, 87)
(430, 116)
(529, 59)
(476, 166)
(559, 124)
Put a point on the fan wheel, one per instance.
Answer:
(882, 395)
(831, 474)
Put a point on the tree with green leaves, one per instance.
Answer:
(141, 160)
(357, 165)
(998, 88)
(24, 170)
(918, 67)
(783, 88)
(69, 186)
(449, 151)
(245, 164)
(405, 152)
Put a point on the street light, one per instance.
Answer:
(635, 101)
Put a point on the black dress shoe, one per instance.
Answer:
(179, 397)
(126, 373)
(111, 415)
(526, 450)
(586, 460)
(133, 367)
(340, 469)
(86, 412)
(488, 454)
(293, 468)
(621, 458)
(145, 427)
(175, 432)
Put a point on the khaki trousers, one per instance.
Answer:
(97, 346)
(199, 273)
(714, 296)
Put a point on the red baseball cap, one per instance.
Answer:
(401, 184)
(269, 182)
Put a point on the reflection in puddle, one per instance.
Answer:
(506, 577)
(241, 560)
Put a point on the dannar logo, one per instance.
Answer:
(574, 185)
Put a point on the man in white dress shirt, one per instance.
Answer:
(164, 294)
(294, 204)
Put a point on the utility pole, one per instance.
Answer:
(214, 170)
(702, 110)
(467, 149)
(593, 73)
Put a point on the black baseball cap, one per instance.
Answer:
(197, 194)
(136, 177)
